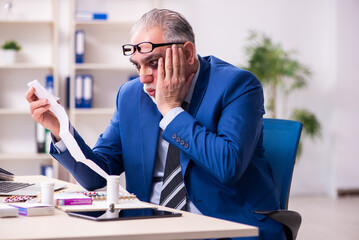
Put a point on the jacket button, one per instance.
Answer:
(186, 145)
(182, 142)
(174, 136)
(178, 139)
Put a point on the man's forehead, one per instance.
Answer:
(153, 34)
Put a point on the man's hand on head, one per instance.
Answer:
(172, 85)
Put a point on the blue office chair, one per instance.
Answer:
(280, 140)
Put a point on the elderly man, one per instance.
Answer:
(187, 132)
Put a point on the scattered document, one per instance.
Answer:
(71, 198)
(65, 134)
(34, 209)
(8, 211)
(5, 175)
(103, 206)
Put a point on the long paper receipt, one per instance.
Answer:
(65, 134)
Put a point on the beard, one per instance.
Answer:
(145, 86)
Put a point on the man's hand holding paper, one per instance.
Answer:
(39, 110)
(47, 111)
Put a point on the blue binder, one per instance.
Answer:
(49, 83)
(78, 91)
(83, 91)
(99, 16)
(79, 46)
(87, 91)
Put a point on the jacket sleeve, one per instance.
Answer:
(226, 152)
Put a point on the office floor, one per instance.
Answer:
(327, 218)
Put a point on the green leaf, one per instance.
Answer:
(311, 125)
(278, 69)
(11, 45)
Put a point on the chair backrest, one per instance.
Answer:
(280, 140)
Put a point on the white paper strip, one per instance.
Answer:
(65, 134)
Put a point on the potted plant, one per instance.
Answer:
(279, 71)
(10, 49)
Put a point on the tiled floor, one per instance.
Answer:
(327, 218)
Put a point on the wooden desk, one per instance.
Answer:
(62, 226)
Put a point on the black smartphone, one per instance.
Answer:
(124, 214)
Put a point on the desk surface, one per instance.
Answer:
(62, 226)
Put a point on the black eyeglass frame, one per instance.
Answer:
(154, 45)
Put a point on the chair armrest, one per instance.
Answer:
(291, 220)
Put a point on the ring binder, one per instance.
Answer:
(79, 46)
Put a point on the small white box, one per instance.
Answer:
(8, 211)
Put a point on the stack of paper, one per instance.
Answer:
(5, 175)
(101, 205)
(65, 198)
(8, 211)
(34, 209)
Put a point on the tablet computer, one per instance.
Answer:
(124, 214)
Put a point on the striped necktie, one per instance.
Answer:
(173, 192)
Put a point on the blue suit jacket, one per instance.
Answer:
(225, 173)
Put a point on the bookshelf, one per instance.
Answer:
(103, 59)
(38, 26)
(33, 24)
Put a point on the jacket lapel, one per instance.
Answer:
(149, 128)
(201, 86)
(198, 94)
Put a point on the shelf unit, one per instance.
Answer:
(103, 59)
(34, 27)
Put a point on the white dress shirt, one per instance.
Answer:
(163, 148)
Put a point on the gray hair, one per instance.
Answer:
(174, 26)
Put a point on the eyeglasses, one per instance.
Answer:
(144, 47)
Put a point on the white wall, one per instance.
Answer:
(325, 35)
(346, 131)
